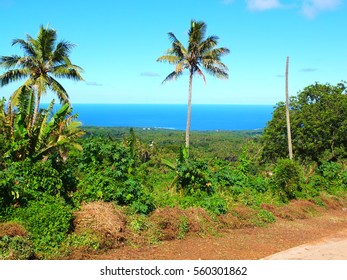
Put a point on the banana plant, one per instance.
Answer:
(52, 131)
(183, 157)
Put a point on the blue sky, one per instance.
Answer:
(118, 42)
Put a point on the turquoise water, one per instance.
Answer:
(204, 117)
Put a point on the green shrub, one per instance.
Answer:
(212, 203)
(48, 221)
(86, 242)
(138, 223)
(334, 176)
(24, 181)
(193, 175)
(264, 217)
(331, 170)
(143, 230)
(143, 204)
(286, 178)
(259, 183)
(107, 173)
(228, 177)
(252, 198)
(183, 227)
(105, 186)
(313, 186)
(99, 153)
(16, 248)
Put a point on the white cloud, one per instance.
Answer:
(261, 5)
(149, 74)
(95, 84)
(310, 8)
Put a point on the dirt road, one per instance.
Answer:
(325, 237)
(333, 247)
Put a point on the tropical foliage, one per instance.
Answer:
(200, 54)
(53, 132)
(44, 60)
(50, 168)
(318, 122)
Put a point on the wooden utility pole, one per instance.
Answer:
(289, 134)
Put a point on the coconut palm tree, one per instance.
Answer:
(200, 54)
(44, 60)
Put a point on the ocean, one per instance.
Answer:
(204, 117)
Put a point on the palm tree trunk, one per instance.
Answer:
(290, 147)
(189, 108)
(36, 110)
(10, 117)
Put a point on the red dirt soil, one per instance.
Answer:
(237, 244)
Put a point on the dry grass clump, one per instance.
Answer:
(296, 209)
(333, 202)
(103, 219)
(176, 223)
(141, 231)
(245, 215)
(168, 221)
(12, 229)
(229, 221)
(308, 207)
(286, 212)
(199, 220)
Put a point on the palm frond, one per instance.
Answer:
(9, 62)
(216, 53)
(62, 51)
(25, 45)
(208, 62)
(42, 84)
(177, 47)
(55, 86)
(46, 42)
(171, 59)
(180, 66)
(201, 52)
(217, 71)
(17, 92)
(208, 44)
(199, 72)
(12, 76)
(172, 76)
(68, 71)
(28, 62)
(196, 35)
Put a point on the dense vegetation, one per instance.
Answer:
(319, 125)
(56, 176)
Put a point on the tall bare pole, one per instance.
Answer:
(289, 134)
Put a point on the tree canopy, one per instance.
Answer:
(44, 60)
(318, 124)
(201, 54)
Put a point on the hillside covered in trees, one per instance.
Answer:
(65, 187)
